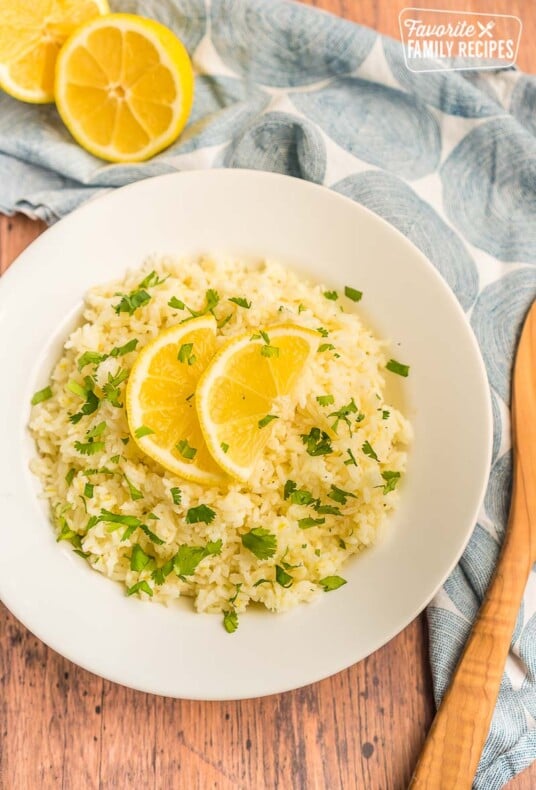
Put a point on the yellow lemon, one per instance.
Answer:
(31, 34)
(160, 399)
(124, 87)
(236, 393)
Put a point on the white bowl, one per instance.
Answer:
(173, 651)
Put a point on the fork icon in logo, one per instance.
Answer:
(485, 30)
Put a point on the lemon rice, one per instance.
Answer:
(318, 491)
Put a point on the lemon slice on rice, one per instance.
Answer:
(31, 34)
(236, 393)
(124, 87)
(160, 399)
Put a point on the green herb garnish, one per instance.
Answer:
(41, 395)
(185, 353)
(131, 302)
(152, 537)
(90, 358)
(290, 486)
(282, 577)
(332, 583)
(328, 510)
(176, 495)
(340, 495)
(152, 280)
(369, 450)
(159, 574)
(391, 481)
(70, 475)
(322, 331)
(200, 514)
(352, 293)
(301, 496)
(269, 351)
(240, 301)
(325, 347)
(140, 587)
(230, 621)
(385, 414)
(143, 430)
(224, 446)
(261, 542)
(111, 388)
(176, 304)
(317, 442)
(397, 367)
(306, 523)
(139, 559)
(212, 298)
(89, 448)
(188, 557)
(135, 493)
(350, 461)
(185, 450)
(268, 418)
(331, 295)
(342, 414)
(88, 490)
(325, 400)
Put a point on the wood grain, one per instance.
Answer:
(62, 727)
(452, 750)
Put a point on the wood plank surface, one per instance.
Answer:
(62, 727)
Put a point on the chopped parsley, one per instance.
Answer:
(322, 331)
(230, 621)
(290, 486)
(301, 496)
(139, 559)
(120, 351)
(176, 495)
(224, 446)
(41, 395)
(185, 450)
(90, 358)
(332, 583)
(352, 293)
(212, 298)
(340, 495)
(317, 442)
(140, 587)
(91, 402)
(350, 461)
(282, 577)
(369, 450)
(188, 557)
(176, 304)
(90, 447)
(70, 475)
(152, 280)
(398, 368)
(261, 542)
(325, 400)
(240, 301)
(325, 347)
(135, 493)
(306, 523)
(391, 481)
(142, 431)
(328, 510)
(159, 574)
(342, 414)
(331, 295)
(88, 490)
(200, 514)
(151, 535)
(111, 388)
(132, 301)
(268, 418)
(118, 518)
(185, 353)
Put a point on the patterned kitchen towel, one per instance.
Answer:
(449, 158)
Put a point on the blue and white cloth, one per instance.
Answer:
(448, 158)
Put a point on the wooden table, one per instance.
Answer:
(362, 729)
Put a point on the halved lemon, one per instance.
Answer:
(160, 399)
(236, 393)
(124, 87)
(31, 34)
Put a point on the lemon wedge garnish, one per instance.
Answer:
(31, 34)
(235, 395)
(124, 87)
(160, 399)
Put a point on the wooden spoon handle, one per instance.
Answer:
(452, 750)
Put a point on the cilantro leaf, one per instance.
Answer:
(88, 490)
(328, 510)
(139, 558)
(306, 523)
(212, 298)
(185, 450)
(140, 587)
(391, 481)
(70, 475)
(135, 493)
(342, 414)
(118, 518)
(176, 495)
(240, 301)
(325, 347)
(230, 621)
(120, 351)
(352, 293)
(332, 583)
(201, 513)
(131, 302)
(339, 495)
(317, 442)
(325, 400)
(224, 446)
(176, 304)
(41, 395)
(331, 295)
(188, 558)
(151, 535)
(152, 280)
(369, 450)
(261, 542)
(90, 358)
(143, 430)
(159, 574)
(111, 388)
(282, 577)
(301, 496)
(89, 448)
(322, 331)
(290, 486)
(185, 353)
(269, 351)
(269, 417)
(385, 414)
(350, 461)
(398, 368)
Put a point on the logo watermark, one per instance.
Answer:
(458, 40)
